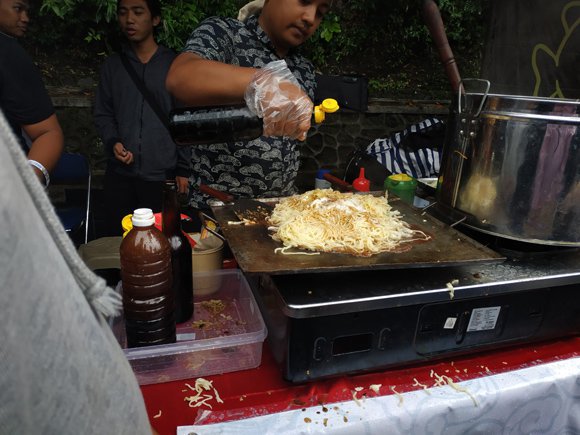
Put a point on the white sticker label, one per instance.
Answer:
(185, 336)
(450, 323)
(483, 319)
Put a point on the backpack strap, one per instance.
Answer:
(144, 91)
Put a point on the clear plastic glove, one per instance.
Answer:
(275, 96)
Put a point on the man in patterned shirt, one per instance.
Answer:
(227, 62)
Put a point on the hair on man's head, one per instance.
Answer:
(153, 5)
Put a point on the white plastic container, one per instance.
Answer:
(226, 335)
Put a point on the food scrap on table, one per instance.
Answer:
(416, 383)
(355, 398)
(451, 288)
(446, 380)
(399, 395)
(375, 387)
(201, 397)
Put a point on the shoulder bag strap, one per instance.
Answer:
(143, 89)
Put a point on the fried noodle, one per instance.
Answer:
(326, 220)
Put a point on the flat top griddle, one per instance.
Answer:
(253, 247)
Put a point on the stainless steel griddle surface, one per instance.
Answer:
(253, 247)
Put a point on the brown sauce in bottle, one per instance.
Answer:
(146, 274)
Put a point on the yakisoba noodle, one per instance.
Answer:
(325, 220)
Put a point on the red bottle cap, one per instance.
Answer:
(361, 183)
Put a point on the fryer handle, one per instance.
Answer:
(222, 196)
(434, 23)
(337, 181)
(486, 85)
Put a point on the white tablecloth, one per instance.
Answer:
(542, 399)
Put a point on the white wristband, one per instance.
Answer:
(42, 169)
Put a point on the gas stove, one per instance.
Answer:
(326, 324)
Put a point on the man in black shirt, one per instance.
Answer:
(23, 97)
(140, 150)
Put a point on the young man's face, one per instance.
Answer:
(290, 23)
(14, 17)
(135, 20)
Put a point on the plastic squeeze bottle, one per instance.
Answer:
(402, 185)
(181, 255)
(146, 274)
(207, 125)
(361, 183)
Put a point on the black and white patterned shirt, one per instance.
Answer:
(419, 161)
(263, 167)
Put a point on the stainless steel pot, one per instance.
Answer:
(511, 165)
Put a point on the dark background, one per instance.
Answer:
(533, 48)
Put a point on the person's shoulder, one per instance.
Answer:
(112, 59)
(306, 61)
(221, 22)
(111, 62)
(301, 61)
(11, 46)
(8, 41)
(228, 20)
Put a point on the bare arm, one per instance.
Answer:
(47, 143)
(271, 92)
(196, 81)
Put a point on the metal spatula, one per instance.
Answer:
(246, 209)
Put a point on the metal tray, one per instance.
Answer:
(253, 247)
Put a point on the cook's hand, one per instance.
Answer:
(122, 154)
(275, 96)
(182, 184)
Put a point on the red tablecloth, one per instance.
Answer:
(263, 391)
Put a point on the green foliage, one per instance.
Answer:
(317, 46)
(60, 8)
(382, 39)
(463, 21)
(329, 27)
(94, 21)
(178, 22)
(65, 9)
(389, 85)
(396, 27)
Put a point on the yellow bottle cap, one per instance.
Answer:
(318, 115)
(204, 229)
(127, 224)
(400, 177)
(329, 105)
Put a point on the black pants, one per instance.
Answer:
(122, 195)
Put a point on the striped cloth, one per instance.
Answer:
(415, 151)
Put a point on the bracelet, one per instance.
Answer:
(42, 169)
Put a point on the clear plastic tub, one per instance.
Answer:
(226, 334)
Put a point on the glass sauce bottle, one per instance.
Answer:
(207, 125)
(181, 255)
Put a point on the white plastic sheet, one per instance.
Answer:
(542, 399)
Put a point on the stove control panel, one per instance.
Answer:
(467, 323)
